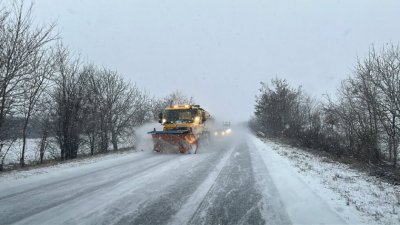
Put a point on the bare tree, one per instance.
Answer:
(70, 86)
(34, 87)
(21, 56)
(44, 115)
(91, 107)
(3, 155)
(278, 108)
(383, 71)
(122, 107)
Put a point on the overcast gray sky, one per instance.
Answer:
(219, 50)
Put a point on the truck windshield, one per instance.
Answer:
(180, 116)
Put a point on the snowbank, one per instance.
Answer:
(351, 194)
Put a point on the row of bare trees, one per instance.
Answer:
(96, 103)
(47, 89)
(362, 121)
(24, 69)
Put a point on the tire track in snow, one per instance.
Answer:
(189, 208)
(146, 187)
(23, 213)
(161, 208)
(107, 205)
(63, 182)
(233, 199)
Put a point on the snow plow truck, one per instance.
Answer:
(183, 129)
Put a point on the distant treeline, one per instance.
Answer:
(363, 120)
(45, 91)
(17, 123)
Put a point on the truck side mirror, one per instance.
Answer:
(160, 116)
(203, 116)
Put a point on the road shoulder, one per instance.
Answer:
(304, 202)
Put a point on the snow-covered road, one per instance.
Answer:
(235, 181)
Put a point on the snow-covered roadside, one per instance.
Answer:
(354, 196)
(31, 152)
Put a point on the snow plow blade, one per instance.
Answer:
(180, 140)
